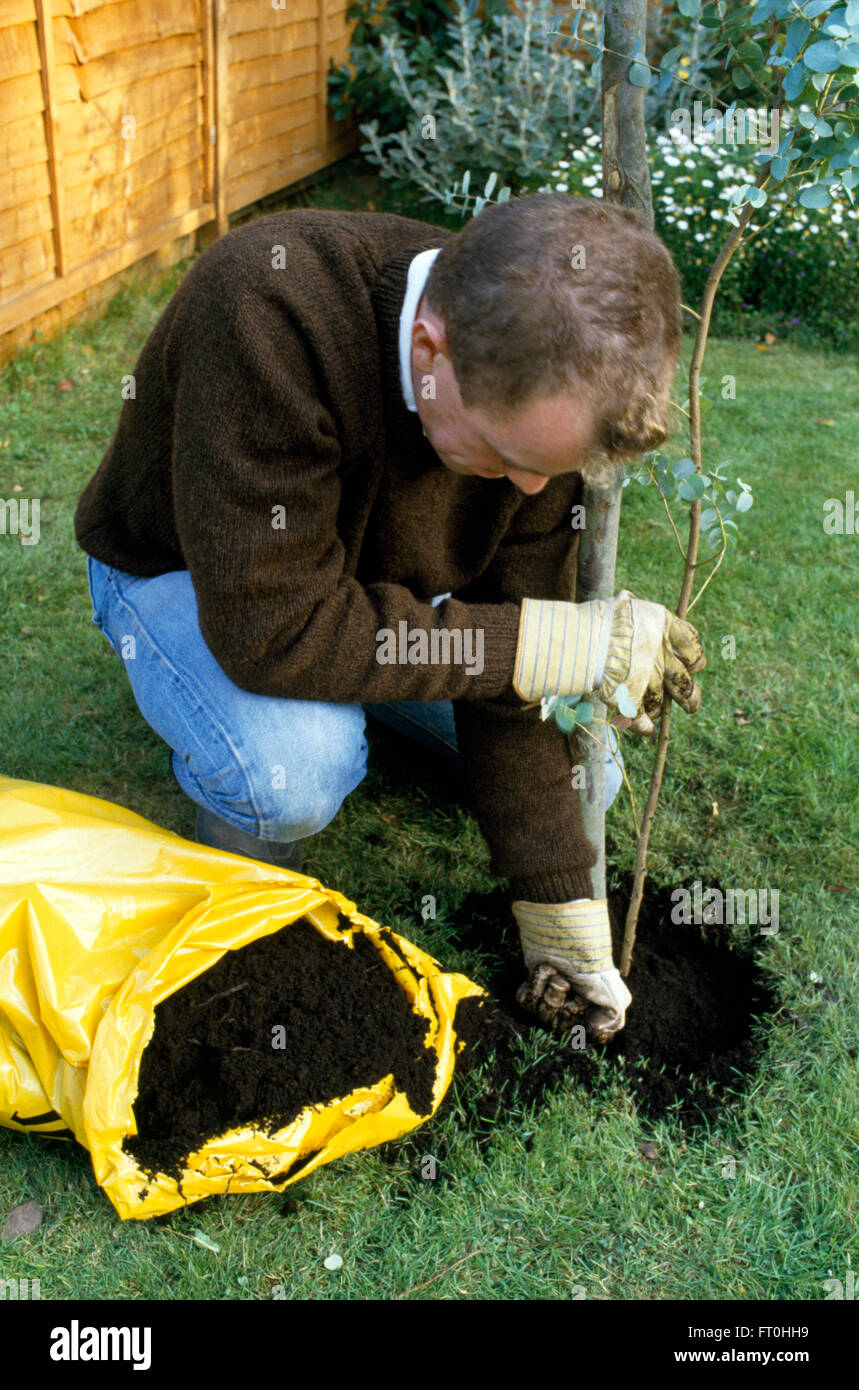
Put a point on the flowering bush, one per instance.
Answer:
(799, 274)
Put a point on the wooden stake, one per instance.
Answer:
(626, 180)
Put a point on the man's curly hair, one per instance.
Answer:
(551, 293)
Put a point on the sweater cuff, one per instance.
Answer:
(560, 887)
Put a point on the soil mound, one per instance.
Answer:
(218, 1058)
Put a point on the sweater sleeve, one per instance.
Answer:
(256, 491)
(518, 767)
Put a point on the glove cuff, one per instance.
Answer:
(577, 933)
(618, 658)
(562, 647)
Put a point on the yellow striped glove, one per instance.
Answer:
(567, 950)
(573, 649)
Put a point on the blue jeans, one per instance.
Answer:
(279, 769)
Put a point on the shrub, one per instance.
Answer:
(508, 97)
(366, 86)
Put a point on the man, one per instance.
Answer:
(344, 478)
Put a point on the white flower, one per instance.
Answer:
(562, 187)
(690, 163)
(589, 181)
(563, 164)
(672, 160)
(707, 183)
(579, 154)
(682, 223)
(587, 130)
(699, 236)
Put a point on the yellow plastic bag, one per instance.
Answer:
(103, 915)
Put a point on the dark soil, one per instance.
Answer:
(688, 1038)
(211, 1065)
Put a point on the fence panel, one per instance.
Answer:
(125, 127)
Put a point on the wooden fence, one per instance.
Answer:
(127, 127)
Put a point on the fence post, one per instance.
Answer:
(47, 62)
(322, 77)
(222, 77)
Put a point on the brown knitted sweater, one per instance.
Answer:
(269, 451)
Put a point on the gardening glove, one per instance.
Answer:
(567, 950)
(573, 649)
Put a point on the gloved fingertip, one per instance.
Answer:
(693, 702)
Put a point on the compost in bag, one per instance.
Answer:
(291, 1020)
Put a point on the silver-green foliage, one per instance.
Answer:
(509, 98)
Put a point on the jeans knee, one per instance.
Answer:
(295, 780)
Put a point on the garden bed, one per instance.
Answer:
(688, 1041)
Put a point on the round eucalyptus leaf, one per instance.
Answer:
(692, 489)
(794, 80)
(625, 703)
(824, 56)
(817, 196)
(565, 718)
(639, 74)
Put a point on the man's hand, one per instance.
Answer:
(575, 649)
(651, 651)
(572, 978)
(561, 998)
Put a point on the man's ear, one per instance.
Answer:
(428, 338)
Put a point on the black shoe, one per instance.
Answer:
(217, 833)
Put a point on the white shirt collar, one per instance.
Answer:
(418, 272)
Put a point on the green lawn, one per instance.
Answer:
(557, 1201)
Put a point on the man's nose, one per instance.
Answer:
(528, 483)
